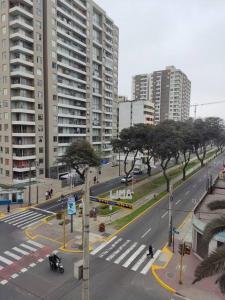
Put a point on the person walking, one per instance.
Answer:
(150, 251)
(95, 179)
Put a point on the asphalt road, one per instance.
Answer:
(110, 281)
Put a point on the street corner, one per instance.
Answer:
(2, 215)
(160, 269)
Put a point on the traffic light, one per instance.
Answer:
(187, 249)
(181, 249)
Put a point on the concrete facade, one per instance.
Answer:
(59, 64)
(135, 112)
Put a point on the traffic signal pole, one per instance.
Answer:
(181, 263)
(85, 285)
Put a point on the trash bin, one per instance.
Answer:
(78, 269)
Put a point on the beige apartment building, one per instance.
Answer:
(59, 83)
(168, 89)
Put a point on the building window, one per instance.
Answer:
(6, 139)
(41, 171)
(7, 173)
(40, 150)
(6, 150)
(4, 30)
(4, 55)
(39, 72)
(39, 60)
(3, 17)
(7, 161)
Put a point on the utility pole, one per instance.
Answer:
(170, 235)
(119, 162)
(29, 194)
(37, 173)
(85, 285)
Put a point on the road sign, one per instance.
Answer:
(71, 206)
(111, 202)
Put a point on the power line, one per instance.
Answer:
(202, 104)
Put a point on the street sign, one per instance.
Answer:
(111, 202)
(71, 206)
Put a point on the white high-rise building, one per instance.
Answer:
(59, 83)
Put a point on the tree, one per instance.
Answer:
(166, 145)
(201, 139)
(185, 144)
(146, 132)
(215, 263)
(129, 142)
(78, 155)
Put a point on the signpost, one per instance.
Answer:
(71, 209)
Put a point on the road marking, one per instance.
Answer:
(12, 216)
(40, 260)
(18, 217)
(110, 257)
(33, 223)
(5, 260)
(47, 211)
(32, 265)
(121, 257)
(3, 282)
(146, 233)
(133, 256)
(110, 248)
(1, 268)
(163, 216)
(99, 248)
(186, 193)
(35, 244)
(28, 247)
(21, 251)
(23, 270)
(14, 275)
(150, 263)
(16, 257)
(30, 220)
(27, 219)
(140, 261)
(177, 202)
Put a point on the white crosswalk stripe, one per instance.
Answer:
(25, 219)
(14, 257)
(129, 255)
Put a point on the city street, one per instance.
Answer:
(118, 270)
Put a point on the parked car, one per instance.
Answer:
(137, 171)
(128, 179)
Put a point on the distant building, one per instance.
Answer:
(168, 89)
(135, 112)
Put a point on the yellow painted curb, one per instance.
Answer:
(166, 250)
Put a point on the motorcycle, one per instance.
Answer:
(56, 266)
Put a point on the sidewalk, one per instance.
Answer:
(167, 268)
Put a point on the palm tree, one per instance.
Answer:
(215, 263)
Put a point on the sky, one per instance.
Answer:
(187, 34)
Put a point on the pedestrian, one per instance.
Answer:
(95, 179)
(46, 195)
(150, 251)
(51, 192)
(76, 197)
(8, 208)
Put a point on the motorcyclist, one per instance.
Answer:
(55, 259)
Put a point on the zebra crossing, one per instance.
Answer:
(128, 254)
(21, 258)
(25, 219)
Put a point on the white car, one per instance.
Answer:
(129, 178)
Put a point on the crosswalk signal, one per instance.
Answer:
(187, 249)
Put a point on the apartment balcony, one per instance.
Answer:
(71, 27)
(22, 62)
(70, 87)
(22, 86)
(24, 146)
(72, 48)
(23, 169)
(19, 22)
(21, 10)
(21, 158)
(64, 115)
(21, 98)
(23, 110)
(98, 42)
(72, 106)
(71, 37)
(81, 9)
(73, 78)
(22, 72)
(72, 125)
(21, 48)
(75, 69)
(21, 35)
(69, 57)
(23, 122)
(72, 97)
(71, 17)
(72, 134)
(23, 134)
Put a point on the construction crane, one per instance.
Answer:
(202, 104)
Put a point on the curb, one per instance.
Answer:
(155, 267)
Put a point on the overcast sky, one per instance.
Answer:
(189, 34)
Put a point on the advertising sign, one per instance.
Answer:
(71, 206)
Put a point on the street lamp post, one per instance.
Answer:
(170, 235)
(119, 162)
(29, 192)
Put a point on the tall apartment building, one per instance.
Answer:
(59, 83)
(170, 91)
(140, 87)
